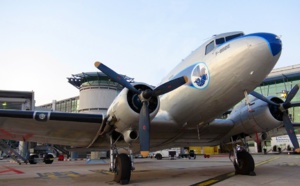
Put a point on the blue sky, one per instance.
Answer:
(44, 42)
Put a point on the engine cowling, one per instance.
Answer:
(126, 107)
(264, 117)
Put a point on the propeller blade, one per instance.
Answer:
(292, 94)
(263, 98)
(115, 76)
(290, 130)
(144, 130)
(295, 104)
(170, 85)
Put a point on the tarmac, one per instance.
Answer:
(272, 169)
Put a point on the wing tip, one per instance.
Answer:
(186, 79)
(97, 64)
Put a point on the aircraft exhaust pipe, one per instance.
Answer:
(130, 136)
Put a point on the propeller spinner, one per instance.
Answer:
(144, 96)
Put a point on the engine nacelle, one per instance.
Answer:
(264, 117)
(126, 108)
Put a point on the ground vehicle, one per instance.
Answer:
(43, 153)
(138, 156)
(167, 153)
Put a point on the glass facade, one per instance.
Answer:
(66, 105)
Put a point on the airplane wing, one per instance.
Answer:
(168, 135)
(73, 129)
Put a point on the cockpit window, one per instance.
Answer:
(220, 41)
(209, 47)
(228, 38)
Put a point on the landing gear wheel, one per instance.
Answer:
(245, 164)
(123, 169)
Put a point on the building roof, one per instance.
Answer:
(283, 74)
(78, 79)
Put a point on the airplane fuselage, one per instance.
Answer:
(228, 70)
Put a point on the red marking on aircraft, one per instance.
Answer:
(27, 136)
(6, 133)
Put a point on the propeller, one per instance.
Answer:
(116, 77)
(285, 117)
(290, 96)
(144, 96)
(263, 98)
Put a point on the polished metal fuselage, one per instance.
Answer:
(233, 68)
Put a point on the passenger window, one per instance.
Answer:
(220, 41)
(209, 47)
(228, 38)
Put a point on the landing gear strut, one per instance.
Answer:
(120, 164)
(243, 161)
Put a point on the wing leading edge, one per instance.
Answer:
(72, 129)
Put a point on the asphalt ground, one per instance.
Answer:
(217, 170)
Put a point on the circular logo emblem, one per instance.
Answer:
(42, 116)
(200, 76)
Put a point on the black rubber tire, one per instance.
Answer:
(48, 159)
(123, 169)
(246, 163)
(32, 159)
(158, 156)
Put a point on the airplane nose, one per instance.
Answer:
(273, 41)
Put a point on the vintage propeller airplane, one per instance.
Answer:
(181, 111)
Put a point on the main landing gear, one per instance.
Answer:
(242, 160)
(120, 164)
